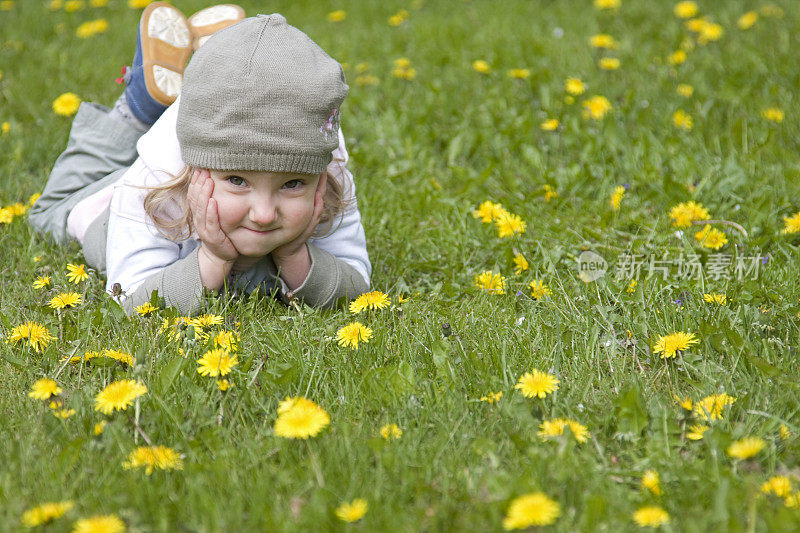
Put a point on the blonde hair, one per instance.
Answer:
(157, 201)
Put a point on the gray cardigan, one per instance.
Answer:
(329, 279)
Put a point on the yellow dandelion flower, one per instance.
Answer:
(696, 431)
(685, 10)
(369, 300)
(63, 414)
(37, 335)
(607, 4)
(520, 263)
(33, 198)
(549, 192)
(227, 340)
(609, 63)
(100, 523)
(650, 482)
(682, 120)
(519, 73)
(405, 73)
(216, 362)
(488, 212)
(711, 407)
(91, 28)
(353, 333)
(715, 298)
(536, 384)
(549, 125)
(684, 213)
(780, 486)
(45, 513)
(631, 288)
(119, 395)
(685, 402)
(300, 418)
(337, 16)
(539, 290)
(616, 197)
(73, 5)
(492, 397)
(685, 90)
(602, 40)
(352, 511)
(596, 107)
(153, 457)
(677, 57)
(651, 516)
(44, 388)
(491, 282)
(710, 32)
(139, 4)
(574, 86)
(18, 209)
(99, 427)
(55, 5)
(670, 345)
(66, 105)
(773, 114)
(6, 5)
(710, 237)
(479, 65)
(66, 300)
(122, 357)
(534, 509)
(792, 501)
(76, 273)
(41, 282)
(792, 223)
(146, 309)
(784, 433)
(509, 225)
(367, 79)
(696, 25)
(746, 448)
(771, 10)
(6, 215)
(391, 431)
(206, 321)
(398, 18)
(747, 20)
(555, 427)
(5, 127)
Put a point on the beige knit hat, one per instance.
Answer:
(261, 95)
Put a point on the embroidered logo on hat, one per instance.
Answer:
(331, 125)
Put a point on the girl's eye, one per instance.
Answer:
(293, 184)
(236, 180)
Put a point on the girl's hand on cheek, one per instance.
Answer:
(217, 253)
(205, 217)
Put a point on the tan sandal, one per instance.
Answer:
(166, 44)
(210, 20)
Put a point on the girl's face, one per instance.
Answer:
(260, 211)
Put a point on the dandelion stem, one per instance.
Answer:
(723, 222)
(135, 422)
(315, 465)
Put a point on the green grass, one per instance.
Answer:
(424, 154)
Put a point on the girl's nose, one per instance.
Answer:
(262, 212)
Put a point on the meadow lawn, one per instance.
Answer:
(593, 127)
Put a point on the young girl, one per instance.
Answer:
(240, 183)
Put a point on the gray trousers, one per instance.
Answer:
(99, 151)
